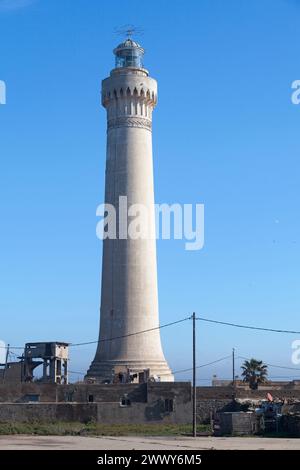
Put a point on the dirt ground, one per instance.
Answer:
(17, 442)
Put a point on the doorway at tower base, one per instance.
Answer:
(125, 374)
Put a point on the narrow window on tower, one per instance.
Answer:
(134, 104)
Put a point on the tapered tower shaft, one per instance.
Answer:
(129, 298)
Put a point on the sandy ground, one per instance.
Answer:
(144, 443)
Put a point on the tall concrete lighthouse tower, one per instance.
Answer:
(129, 300)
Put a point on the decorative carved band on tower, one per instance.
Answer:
(130, 121)
(130, 108)
(138, 93)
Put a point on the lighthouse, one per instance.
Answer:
(129, 338)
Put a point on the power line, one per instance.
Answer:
(228, 357)
(202, 365)
(116, 337)
(12, 347)
(283, 367)
(131, 334)
(248, 326)
(272, 365)
(284, 376)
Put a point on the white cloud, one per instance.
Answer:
(9, 5)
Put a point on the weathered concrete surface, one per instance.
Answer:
(79, 392)
(106, 413)
(236, 424)
(144, 443)
(228, 392)
(100, 402)
(180, 391)
(16, 393)
(206, 408)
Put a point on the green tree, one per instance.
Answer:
(254, 372)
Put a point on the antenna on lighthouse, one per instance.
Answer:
(128, 30)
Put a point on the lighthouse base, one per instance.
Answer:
(116, 371)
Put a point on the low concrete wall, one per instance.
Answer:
(236, 424)
(79, 401)
(214, 393)
(284, 393)
(47, 412)
(144, 413)
(228, 392)
(102, 392)
(138, 393)
(16, 393)
(206, 408)
(180, 392)
(106, 413)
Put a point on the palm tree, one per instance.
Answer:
(254, 373)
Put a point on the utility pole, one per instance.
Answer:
(6, 361)
(233, 368)
(194, 379)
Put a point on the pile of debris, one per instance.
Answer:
(291, 417)
(272, 415)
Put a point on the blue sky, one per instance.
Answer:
(225, 134)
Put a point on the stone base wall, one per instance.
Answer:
(164, 402)
(206, 408)
(105, 413)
